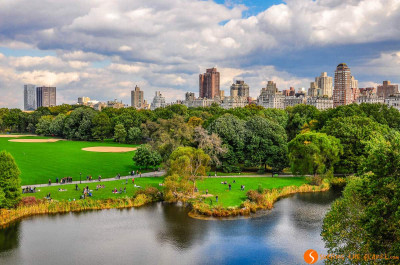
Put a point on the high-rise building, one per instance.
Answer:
(387, 89)
(314, 91)
(137, 98)
(158, 101)
(240, 89)
(83, 100)
(342, 92)
(46, 96)
(30, 97)
(324, 82)
(209, 84)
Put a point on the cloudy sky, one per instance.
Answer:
(102, 48)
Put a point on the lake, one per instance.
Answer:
(164, 234)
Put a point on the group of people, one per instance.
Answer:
(86, 192)
(99, 187)
(115, 191)
(139, 173)
(29, 190)
(63, 180)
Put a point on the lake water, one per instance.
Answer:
(164, 234)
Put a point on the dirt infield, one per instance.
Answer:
(15, 135)
(109, 149)
(35, 140)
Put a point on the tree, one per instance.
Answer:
(43, 126)
(10, 184)
(353, 132)
(298, 116)
(119, 133)
(189, 163)
(314, 153)
(134, 135)
(211, 144)
(78, 125)
(101, 126)
(57, 125)
(166, 135)
(366, 219)
(266, 144)
(232, 132)
(145, 157)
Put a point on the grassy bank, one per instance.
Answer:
(235, 197)
(256, 201)
(71, 193)
(46, 207)
(40, 161)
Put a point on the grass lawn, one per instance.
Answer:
(235, 197)
(40, 161)
(103, 193)
(226, 198)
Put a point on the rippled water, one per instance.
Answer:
(164, 234)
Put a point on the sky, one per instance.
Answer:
(102, 49)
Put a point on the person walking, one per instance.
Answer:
(57, 180)
(230, 186)
(216, 198)
(49, 181)
(133, 181)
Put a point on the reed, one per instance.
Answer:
(256, 201)
(46, 207)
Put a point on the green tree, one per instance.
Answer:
(211, 144)
(314, 153)
(101, 126)
(366, 219)
(145, 157)
(298, 116)
(266, 144)
(10, 183)
(189, 163)
(119, 133)
(134, 135)
(57, 125)
(43, 126)
(78, 125)
(232, 132)
(353, 132)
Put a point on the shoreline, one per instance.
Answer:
(199, 210)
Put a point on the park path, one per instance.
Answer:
(148, 175)
(144, 175)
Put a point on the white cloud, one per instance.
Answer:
(164, 45)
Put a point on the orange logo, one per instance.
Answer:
(311, 256)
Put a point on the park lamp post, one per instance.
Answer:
(80, 178)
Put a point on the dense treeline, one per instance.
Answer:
(250, 137)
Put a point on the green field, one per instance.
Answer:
(102, 193)
(226, 198)
(40, 162)
(235, 196)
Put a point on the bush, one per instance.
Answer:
(315, 181)
(255, 196)
(28, 201)
(150, 192)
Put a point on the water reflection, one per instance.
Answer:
(9, 237)
(164, 234)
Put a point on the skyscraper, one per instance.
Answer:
(137, 98)
(342, 92)
(209, 84)
(387, 89)
(29, 97)
(240, 89)
(46, 96)
(324, 82)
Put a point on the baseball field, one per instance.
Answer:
(44, 158)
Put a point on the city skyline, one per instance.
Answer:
(92, 49)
